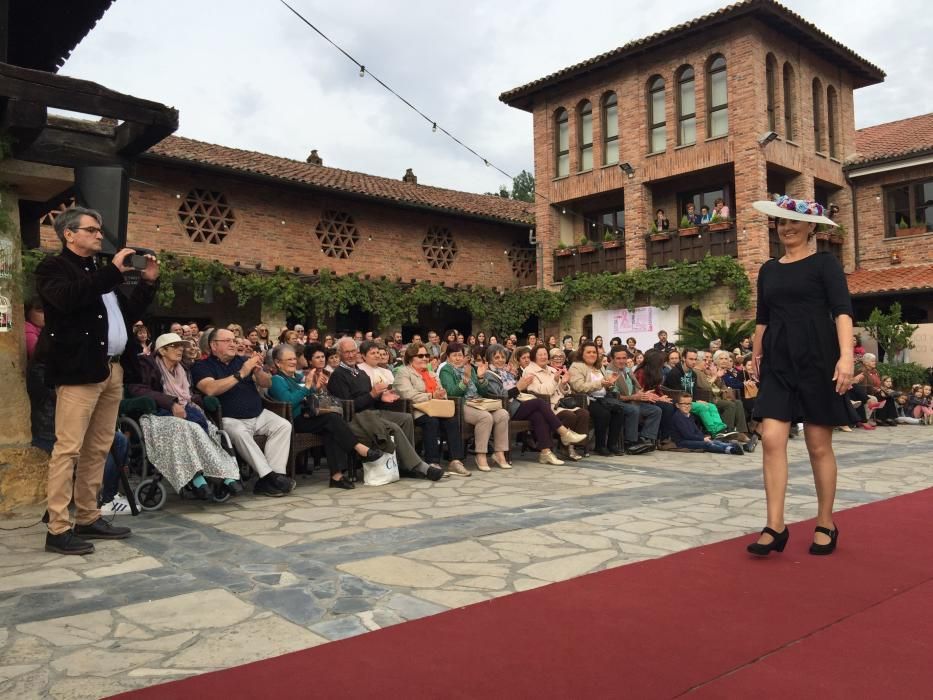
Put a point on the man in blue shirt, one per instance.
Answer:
(638, 406)
(234, 379)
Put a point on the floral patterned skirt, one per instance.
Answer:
(180, 449)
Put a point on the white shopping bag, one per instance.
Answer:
(381, 471)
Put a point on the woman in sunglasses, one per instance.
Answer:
(415, 382)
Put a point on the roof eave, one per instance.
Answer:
(261, 177)
(882, 160)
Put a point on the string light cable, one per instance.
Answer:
(435, 126)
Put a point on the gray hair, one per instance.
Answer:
(701, 355)
(492, 350)
(719, 354)
(281, 349)
(345, 339)
(71, 219)
(870, 357)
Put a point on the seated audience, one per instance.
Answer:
(290, 386)
(503, 383)
(376, 362)
(373, 422)
(554, 383)
(607, 414)
(235, 382)
(642, 418)
(416, 383)
(663, 344)
(650, 376)
(683, 378)
(686, 434)
(180, 441)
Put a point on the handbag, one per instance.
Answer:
(485, 404)
(436, 408)
(751, 389)
(569, 402)
(525, 396)
(381, 471)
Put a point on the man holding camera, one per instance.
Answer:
(85, 334)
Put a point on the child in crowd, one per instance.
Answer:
(903, 411)
(686, 434)
(920, 404)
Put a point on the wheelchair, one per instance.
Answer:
(151, 490)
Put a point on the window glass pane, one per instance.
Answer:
(612, 152)
(563, 136)
(563, 165)
(620, 220)
(611, 127)
(720, 62)
(923, 198)
(658, 139)
(657, 107)
(898, 208)
(718, 89)
(719, 123)
(688, 131)
(586, 158)
(687, 98)
(586, 127)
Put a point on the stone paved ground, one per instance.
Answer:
(206, 586)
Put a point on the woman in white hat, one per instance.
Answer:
(803, 356)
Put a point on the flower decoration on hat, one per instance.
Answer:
(801, 206)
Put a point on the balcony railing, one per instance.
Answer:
(608, 257)
(692, 248)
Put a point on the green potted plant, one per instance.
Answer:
(718, 224)
(586, 245)
(562, 250)
(654, 234)
(687, 228)
(610, 240)
(905, 229)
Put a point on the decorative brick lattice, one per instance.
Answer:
(439, 247)
(206, 216)
(524, 263)
(338, 234)
(49, 218)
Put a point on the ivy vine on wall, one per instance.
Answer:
(502, 311)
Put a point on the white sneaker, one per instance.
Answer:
(118, 506)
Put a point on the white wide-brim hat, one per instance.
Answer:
(167, 339)
(788, 208)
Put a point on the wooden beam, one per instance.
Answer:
(83, 96)
(24, 121)
(72, 149)
(132, 138)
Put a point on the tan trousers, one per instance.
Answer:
(485, 424)
(85, 421)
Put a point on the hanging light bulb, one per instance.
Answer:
(362, 70)
(434, 127)
(563, 210)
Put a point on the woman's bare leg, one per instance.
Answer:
(819, 439)
(774, 435)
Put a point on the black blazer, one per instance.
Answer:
(74, 340)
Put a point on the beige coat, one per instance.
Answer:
(546, 383)
(409, 385)
(580, 380)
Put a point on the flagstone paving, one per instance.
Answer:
(201, 587)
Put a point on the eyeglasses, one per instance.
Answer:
(422, 354)
(93, 230)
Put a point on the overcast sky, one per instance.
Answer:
(249, 74)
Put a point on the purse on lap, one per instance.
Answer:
(491, 405)
(437, 408)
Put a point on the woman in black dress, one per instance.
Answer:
(803, 356)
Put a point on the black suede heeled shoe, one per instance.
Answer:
(777, 544)
(343, 483)
(822, 549)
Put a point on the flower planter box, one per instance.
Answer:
(659, 236)
(829, 236)
(690, 231)
(562, 252)
(612, 244)
(586, 249)
(719, 226)
(911, 231)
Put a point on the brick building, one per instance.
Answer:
(743, 102)
(255, 211)
(891, 177)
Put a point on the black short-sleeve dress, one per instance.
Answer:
(798, 302)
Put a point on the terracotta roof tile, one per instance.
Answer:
(893, 140)
(770, 12)
(891, 279)
(177, 148)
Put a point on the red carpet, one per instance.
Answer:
(713, 620)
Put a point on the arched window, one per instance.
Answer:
(610, 129)
(818, 115)
(686, 107)
(657, 124)
(790, 104)
(832, 111)
(562, 141)
(771, 88)
(585, 122)
(717, 105)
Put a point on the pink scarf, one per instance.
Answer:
(174, 383)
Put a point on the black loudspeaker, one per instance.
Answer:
(106, 189)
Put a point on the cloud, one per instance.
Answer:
(249, 74)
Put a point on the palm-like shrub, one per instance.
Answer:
(697, 333)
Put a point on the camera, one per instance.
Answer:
(139, 261)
